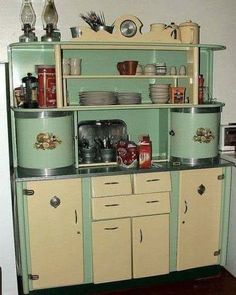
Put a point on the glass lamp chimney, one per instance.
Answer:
(27, 14)
(49, 15)
(28, 19)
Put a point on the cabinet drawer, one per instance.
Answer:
(152, 182)
(103, 186)
(132, 205)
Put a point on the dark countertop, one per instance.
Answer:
(116, 170)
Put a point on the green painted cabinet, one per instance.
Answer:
(60, 242)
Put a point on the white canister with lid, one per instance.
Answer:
(189, 32)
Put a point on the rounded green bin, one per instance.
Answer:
(194, 134)
(45, 143)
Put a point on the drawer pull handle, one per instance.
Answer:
(154, 201)
(152, 180)
(141, 236)
(186, 207)
(76, 217)
(112, 205)
(111, 228)
(111, 183)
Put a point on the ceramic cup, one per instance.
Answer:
(161, 68)
(150, 69)
(182, 70)
(173, 71)
(75, 32)
(139, 70)
(66, 66)
(127, 67)
(75, 66)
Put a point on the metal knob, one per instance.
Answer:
(171, 132)
(55, 202)
(201, 189)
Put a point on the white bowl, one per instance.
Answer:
(159, 91)
(163, 100)
(159, 85)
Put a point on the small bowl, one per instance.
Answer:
(159, 100)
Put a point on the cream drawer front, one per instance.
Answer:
(152, 182)
(103, 186)
(132, 205)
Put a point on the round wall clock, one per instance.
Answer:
(127, 26)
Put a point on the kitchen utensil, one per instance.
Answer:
(127, 67)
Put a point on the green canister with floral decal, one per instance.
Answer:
(45, 144)
(194, 134)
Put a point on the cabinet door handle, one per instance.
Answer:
(111, 183)
(171, 132)
(141, 236)
(55, 202)
(154, 201)
(186, 207)
(152, 180)
(111, 228)
(76, 217)
(112, 205)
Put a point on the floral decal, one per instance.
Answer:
(46, 141)
(203, 135)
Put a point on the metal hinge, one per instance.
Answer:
(28, 192)
(221, 177)
(33, 277)
(217, 253)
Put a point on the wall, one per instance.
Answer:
(7, 251)
(216, 18)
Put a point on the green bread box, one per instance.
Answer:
(195, 134)
(45, 143)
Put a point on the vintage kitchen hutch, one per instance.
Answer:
(91, 224)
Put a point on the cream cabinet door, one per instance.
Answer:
(150, 245)
(199, 218)
(55, 233)
(111, 250)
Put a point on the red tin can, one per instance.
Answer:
(46, 86)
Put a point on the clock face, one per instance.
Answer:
(128, 28)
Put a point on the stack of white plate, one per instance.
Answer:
(129, 98)
(159, 93)
(90, 98)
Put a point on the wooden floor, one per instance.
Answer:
(221, 283)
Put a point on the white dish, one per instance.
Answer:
(159, 91)
(164, 100)
(159, 85)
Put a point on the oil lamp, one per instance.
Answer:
(50, 19)
(28, 19)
